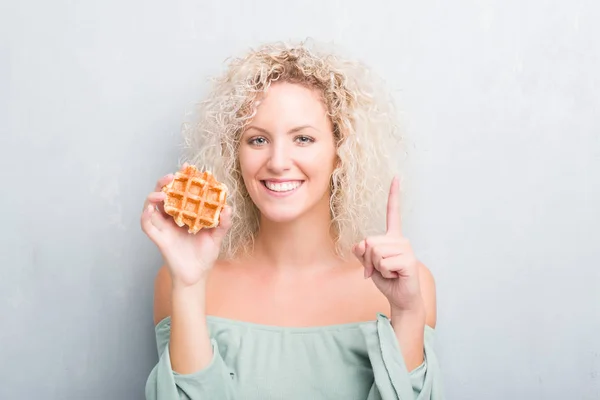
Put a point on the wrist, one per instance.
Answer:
(185, 293)
(409, 328)
(408, 323)
(189, 281)
(185, 287)
(188, 296)
(415, 313)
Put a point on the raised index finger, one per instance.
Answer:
(394, 224)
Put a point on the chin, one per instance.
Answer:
(280, 216)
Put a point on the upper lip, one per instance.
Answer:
(282, 180)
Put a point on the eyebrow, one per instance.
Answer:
(293, 130)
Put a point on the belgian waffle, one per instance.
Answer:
(195, 199)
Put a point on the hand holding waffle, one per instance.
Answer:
(389, 260)
(194, 199)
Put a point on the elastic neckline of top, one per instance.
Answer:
(211, 319)
(291, 329)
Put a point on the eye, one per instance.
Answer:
(304, 140)
(257, 141)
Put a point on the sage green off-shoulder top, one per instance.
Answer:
(355, 361)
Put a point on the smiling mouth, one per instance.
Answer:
(282, 187)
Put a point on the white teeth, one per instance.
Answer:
(282, 187)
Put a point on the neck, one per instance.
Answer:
(304, 243)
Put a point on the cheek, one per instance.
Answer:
(319, 164)
(245, 169)
(246, 162)
(327, 159)
(250, 163)
(321, 153)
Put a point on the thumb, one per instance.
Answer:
(378, 279)
(359, 249)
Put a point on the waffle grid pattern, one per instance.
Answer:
(195, 199)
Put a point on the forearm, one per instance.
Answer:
(409, 327)
(190, 347)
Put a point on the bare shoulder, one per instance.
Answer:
(428, 292)
(162, 290)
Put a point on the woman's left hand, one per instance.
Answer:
(389, 260)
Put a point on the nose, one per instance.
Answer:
(279, 158)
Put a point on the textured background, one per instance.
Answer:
(500, 102)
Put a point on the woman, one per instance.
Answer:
(307, 289)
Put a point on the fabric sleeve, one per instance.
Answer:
(212, 382)
(392, 381)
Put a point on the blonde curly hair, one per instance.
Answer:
(365, 127)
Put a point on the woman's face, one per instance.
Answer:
(287, 154)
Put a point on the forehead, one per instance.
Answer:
(286, 104)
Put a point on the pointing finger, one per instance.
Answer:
(394, 225)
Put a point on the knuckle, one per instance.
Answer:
(385, 264)
(376, 252)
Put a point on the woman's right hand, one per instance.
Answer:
(188, 256)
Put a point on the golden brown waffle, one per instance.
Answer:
(195, 199)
